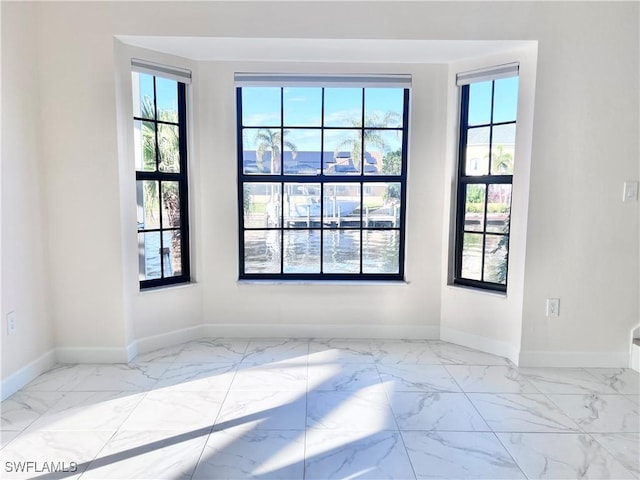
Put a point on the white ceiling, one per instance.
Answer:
(321, 50)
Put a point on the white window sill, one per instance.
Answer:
(166, 288)
(480, 291)
(341, 283)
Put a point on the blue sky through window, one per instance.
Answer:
(505, 101)
(166, 91)
(302, 107)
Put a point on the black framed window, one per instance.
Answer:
(321, 182)
(160, 142)
(485, 178)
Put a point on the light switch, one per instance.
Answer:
(11, 323)
(630, 192)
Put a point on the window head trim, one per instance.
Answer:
(485, 74)
(178, 74)
(247, 79)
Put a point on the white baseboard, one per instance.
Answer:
(574, 359)
(91, 355)
(634, 362)
(154, 342)
(19, 379)
(132, 351)
(233, 330)
(426, 332)
(477, 342)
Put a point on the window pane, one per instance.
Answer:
(381, 204)
(172, 253)
(480, 103)
(148, 204)
(346, 148)
(170, 204)
(343, 107)
(341, 251)
(380, 251)
(302, 151)
(472, 256)
(505, 100)
(495, 259)
(260, 106)
(477, 161)
(261, 205)
(167, 99)
(301, 205)
(143, 106)
(144, 141)
(169, 148)
(262, 147)
(341, 204)
(474, 207)
(262, 251)
(383, 152)
(498, 208)
(383, 107)
(302, 107)
(149, 255)
(503, 142)
(301, 251)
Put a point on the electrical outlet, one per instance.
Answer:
(11, 323)
(553, 307)
(630, 193)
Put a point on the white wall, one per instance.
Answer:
(408, 309)
(24, 234)
(585, 144)
(226, 307)
(582, 244)
(491, 321)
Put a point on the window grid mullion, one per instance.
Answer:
(496, 124)
(281, 173)
(362, 227)
(493, 88)
(484, 224)
(323, 178)
(362, 137)
(158, 181)
(361, 160)
(156, 121)
(163, 176)
(491, 179)
(486, 186)
(312, 127)
(321, 182)
(282, 229)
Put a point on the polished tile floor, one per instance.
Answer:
(319, 409)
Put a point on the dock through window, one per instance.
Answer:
(160, 143)
(488, 111)
(322, 168)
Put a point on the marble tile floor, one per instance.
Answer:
(319, 409)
